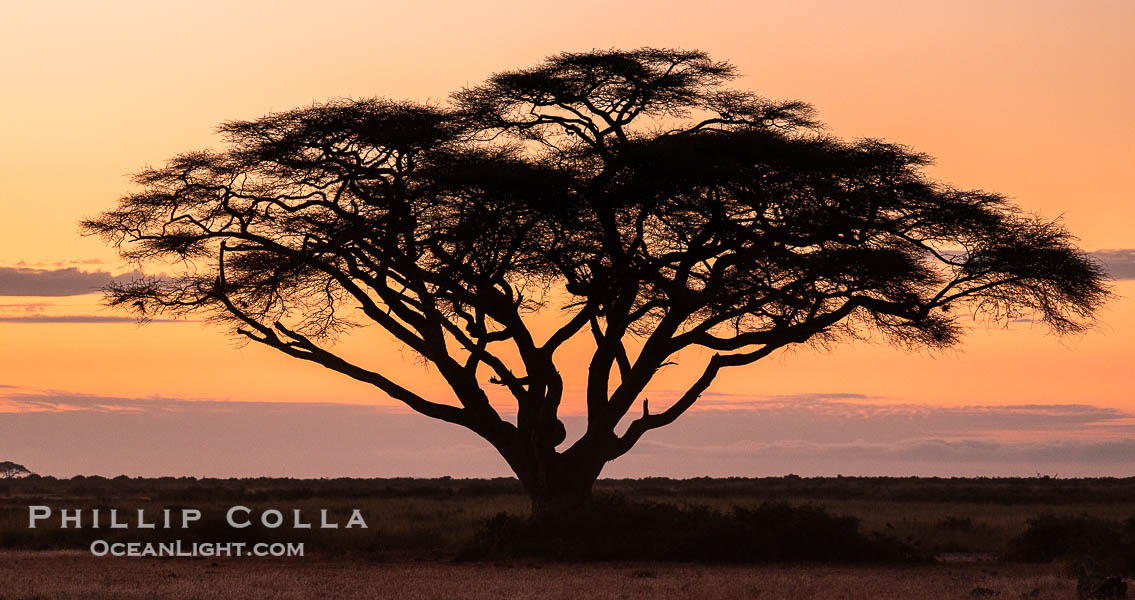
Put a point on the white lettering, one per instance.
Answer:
(234, 510)
(276, 518)
(356, 520)
(37, 513)
(65, 518)
(188, 515)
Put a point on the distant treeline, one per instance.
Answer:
(839, 519)
(1016, 490)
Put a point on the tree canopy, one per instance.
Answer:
(630, 193)
(11, 470)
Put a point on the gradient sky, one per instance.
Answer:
(1029, 99)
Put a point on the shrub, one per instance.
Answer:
(955, 524)
(1050, 537)
(614, 528)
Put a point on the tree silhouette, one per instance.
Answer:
(655, 208)
(11, 470)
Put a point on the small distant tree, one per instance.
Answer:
(627, 194)
(11, 470)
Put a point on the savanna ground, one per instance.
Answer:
(56, 574)
(959, 538)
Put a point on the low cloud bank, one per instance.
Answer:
(1120, 263)
(66, 434)
(67, 281)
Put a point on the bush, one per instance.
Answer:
(955, 524)
(1050, 537)
(614, 528)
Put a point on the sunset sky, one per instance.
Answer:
(1030, 99)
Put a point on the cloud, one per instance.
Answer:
(827, 414)
(24, 307)
(34, 400)
(926, 450)
(23, 264)
(79, 319)
(41, 313)
(65, 433)
(829, 434)
(914, 457)
(67, 281)
(1120, 263)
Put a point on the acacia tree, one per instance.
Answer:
(630, 194)
(11, 470)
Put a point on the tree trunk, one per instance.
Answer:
(558, 484)
(567, 494)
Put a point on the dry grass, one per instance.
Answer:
(993, 524)
(28, 575)
(411, 519)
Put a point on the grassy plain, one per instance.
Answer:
(77, 575)
(419, 533)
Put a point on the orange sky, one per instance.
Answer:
(1029, 99)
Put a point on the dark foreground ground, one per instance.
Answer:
(443, 538)
(77, 575)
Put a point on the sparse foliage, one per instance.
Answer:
(654, 207)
